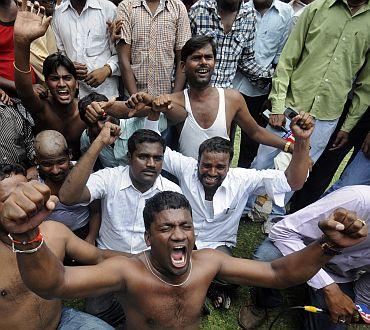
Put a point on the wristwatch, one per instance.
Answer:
(329, 248)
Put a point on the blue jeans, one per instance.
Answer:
(265, 297)
(357, 172)
(72, 319)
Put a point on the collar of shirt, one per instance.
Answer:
(89, 3)
(275, 5)
(364, 8)
(162, 4)
(126, 182)
(212, 6)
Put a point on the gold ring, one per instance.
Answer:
(362, 221)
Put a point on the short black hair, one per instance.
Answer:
(7, 169)
(144, 135)
(165, 200)
(196, 43)
(217, 144)
(86, 101)
(54, 61)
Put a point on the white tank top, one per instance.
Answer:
(192, 135)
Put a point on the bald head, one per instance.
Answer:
(50, 143)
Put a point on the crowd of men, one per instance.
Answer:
(117, 133)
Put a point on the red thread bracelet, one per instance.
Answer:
(38, 238)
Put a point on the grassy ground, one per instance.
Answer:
(249, 237)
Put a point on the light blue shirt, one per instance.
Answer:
(117, 155)
(272, 31)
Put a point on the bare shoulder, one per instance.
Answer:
(51, 230)
(178, 98)
(208, 257)
(232, 94)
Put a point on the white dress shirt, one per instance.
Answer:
(297, 230)
(220, 227)
(272, 31)
(122, 227)
(85, 39)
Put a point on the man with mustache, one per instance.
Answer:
(202, 111)
(166, 286)
(123, 191)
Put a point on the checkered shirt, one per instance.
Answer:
(234, 48)
(154, 39)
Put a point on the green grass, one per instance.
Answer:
(249, 237)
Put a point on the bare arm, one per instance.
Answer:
(249, 126)
(68, 282)
(28, 27)
(276, 274)
(341, 230)
(141, 104)
(124, 58)
(94, 221)
(74, 188)
(57, 280)
(296, 172)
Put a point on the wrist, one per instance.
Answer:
(99, 143)
(109, 70)
(331, 288)
(329, 247)
(27, 236)
(18, 40)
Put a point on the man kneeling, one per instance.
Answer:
(166, 286)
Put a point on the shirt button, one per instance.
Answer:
(344, 38)
(335, 59)
(326, 80)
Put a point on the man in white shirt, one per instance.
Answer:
(123, 191)
(218, 193)
(81, 33)
(344, 281)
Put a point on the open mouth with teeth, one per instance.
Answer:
(202, 71)
(210, 180)
(63, 94)
(179, 256)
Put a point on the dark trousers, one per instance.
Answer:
(249, 147)
(326, 166)
(323, 321)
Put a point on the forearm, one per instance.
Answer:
(128, 77)
(263, 136)
(71, 191)
(23, 81)
(44, 265)
(289, 241)
(306, 263)
(119, 110)
(296, 173)
(94, 225)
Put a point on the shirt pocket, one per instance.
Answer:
(97, 44)
(166, 34)
(237, 44)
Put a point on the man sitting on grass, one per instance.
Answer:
(166, 286)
